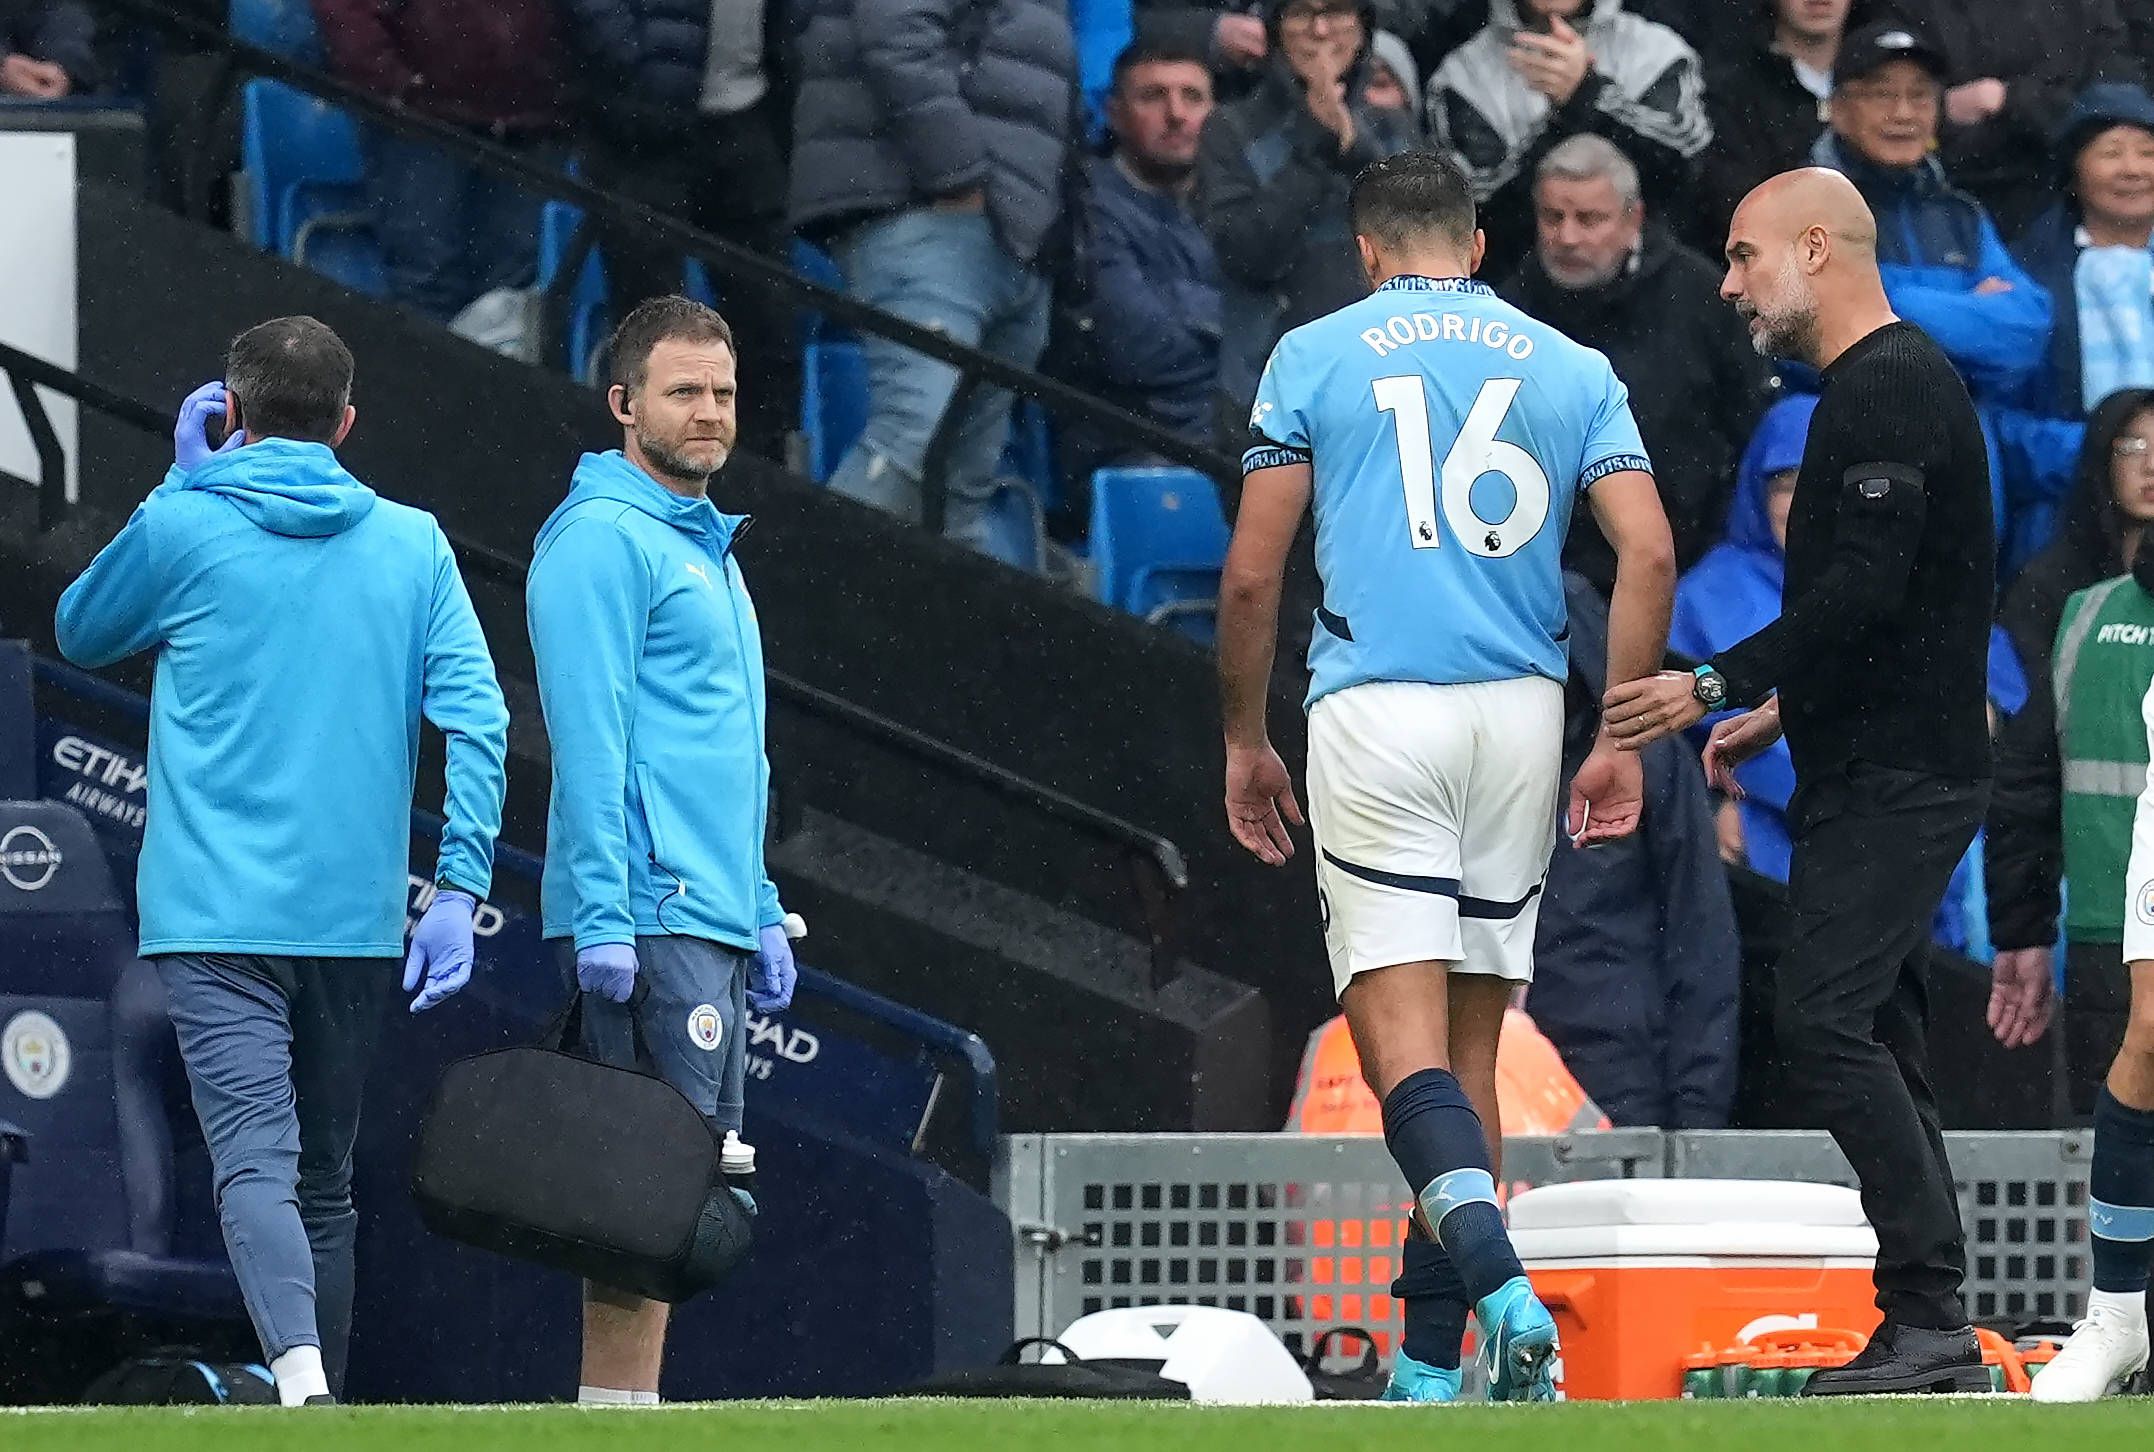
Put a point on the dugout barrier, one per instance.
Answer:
(1302, 1231)
(875, 1126)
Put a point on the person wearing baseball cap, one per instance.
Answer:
(1944, 266)
(1880, 44)
(2011, 72)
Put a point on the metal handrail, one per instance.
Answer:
(1158, 865)
(732, 260)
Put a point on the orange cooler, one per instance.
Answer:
(1642, 1274)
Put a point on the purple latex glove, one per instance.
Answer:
(190, 431)
(771, 980)
(440, 955)
(608, 970)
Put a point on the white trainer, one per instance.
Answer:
(2107, 1350)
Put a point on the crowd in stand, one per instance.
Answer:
(1142, 198)
(48, 50)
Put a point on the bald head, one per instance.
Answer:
(1802, 248)
(1796, 201)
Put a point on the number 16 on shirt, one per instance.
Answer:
(1474, 453)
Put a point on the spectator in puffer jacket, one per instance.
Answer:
(1545, 70)
(48, 49)
(1272, 177)
(2094, 251)
(1153, 284)
(1944, 268)
(450, 231)
(930, 139)
(681, 117)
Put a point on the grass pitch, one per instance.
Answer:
(1895, 1425)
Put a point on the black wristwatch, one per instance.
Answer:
(1710, 687)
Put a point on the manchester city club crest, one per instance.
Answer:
(705, 1027)
(34, 1052)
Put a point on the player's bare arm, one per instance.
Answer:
(1609, 790)
(1260, 796)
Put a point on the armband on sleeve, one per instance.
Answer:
(1884, 483)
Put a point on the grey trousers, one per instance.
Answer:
(695, 1021)
(277, 1052)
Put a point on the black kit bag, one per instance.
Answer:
(173, 1378)
(1071, 1378)
(611, 1174)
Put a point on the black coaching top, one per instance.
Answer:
(1881, 650)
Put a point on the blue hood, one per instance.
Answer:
(1776, 446)
(284, 486)
(611, 476)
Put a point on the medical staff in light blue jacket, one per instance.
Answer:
(302, 625)
(650, 670)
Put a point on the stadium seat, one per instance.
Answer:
(833, 410)
(813, 263)
(305, 185)
(284, 26)
(87, 1051)
(585, 324)
(1158, 540)
(833, 400)
(834, 407)
(1017, 526)
(1030, 453)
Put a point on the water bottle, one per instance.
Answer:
(1704, 1378)
(736, 1162)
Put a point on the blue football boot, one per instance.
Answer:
(1518, 1344)
(1417, 1381)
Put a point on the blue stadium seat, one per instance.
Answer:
(1158, 540)
(590, 301)
(1017, 527)
(697, 282)
(1030, 453)
(833, 401)
(833, 410)
(284, 26)
(88, 1052)
(813, 263)
(587, 299)
(305, 184)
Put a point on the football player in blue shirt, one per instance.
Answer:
(1442, 436)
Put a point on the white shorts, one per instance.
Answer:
(1434, 811)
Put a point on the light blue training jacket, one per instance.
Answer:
(302, 625)
(650, 670)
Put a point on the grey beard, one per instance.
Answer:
(1794, 336)
(673, 463)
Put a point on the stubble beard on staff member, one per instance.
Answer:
(1784, 324)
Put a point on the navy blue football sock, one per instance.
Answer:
(1435, 1301)
(1436, 1138)
(2121, 1212)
